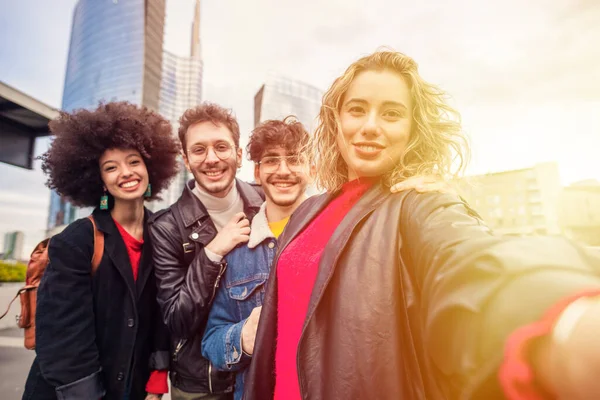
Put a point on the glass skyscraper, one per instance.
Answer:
(115, 54)
(181, 88)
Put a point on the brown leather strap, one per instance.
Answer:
(98, 246)
(10, 304)
(23, 289)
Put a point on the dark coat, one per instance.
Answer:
(96, 335)
(414, 299)
(187, 284)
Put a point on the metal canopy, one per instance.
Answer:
(22, 120)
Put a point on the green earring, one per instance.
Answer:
(148, 192)
(104, 201)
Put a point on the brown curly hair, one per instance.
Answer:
(289, 134)
(81, 137)
(208, 112)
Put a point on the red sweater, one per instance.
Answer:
(157, 383)
(296, 273)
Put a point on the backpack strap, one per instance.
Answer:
(23, 289)
(98, 246)
(10, 304)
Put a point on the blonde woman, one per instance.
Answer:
(374, 295)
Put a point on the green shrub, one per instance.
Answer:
(12, 272)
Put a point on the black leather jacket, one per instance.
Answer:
(187, 281)
(414, 299)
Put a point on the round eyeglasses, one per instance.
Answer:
(271, 164)
(199, 152)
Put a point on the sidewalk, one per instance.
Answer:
(15, 360)
(7, 292)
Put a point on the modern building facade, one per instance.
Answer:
(280, 97)
(519, 202)
(115, 54)
(181, 88)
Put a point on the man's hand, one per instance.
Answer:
(235, 232)
(151, 396)
(249, 330)
(423, 184)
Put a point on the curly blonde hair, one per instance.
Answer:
(437, 145)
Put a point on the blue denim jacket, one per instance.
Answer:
(242, 289)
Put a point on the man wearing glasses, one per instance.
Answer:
(190, 239)
(283, 172)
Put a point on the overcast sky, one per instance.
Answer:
(524, 75)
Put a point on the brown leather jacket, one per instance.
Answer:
(414, 299)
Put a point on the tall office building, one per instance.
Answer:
(181, 88)
(115, 53)
(280, 97)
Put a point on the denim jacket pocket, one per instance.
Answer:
(248, 295)
(243, 291)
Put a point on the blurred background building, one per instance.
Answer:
(13, 245)
(524, 201)
(531, 201)
(279, 97)
(580, 212)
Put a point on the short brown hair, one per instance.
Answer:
(82, 136)
(208, 112)
(289, 134)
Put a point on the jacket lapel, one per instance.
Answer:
(336, 244)
(145, 267)
(114, 246)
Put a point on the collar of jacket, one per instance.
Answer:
(115, 248)
(192, 209)
(260, 230)
(106, 224)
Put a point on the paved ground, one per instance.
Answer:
(15, 361)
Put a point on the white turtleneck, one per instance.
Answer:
(220, 209)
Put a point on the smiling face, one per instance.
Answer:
(283, 176)
(124, 174)
(376, 121)
(212, 157)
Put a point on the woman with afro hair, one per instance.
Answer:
(100, 335)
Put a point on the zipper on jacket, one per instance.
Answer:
(216, 286)
(178, 349)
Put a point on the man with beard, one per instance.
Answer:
(283, 172)
(190, 239)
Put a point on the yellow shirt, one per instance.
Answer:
(278, 226)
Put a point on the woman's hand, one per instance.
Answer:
(423, 184)
(151, 396)
(569, 360)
